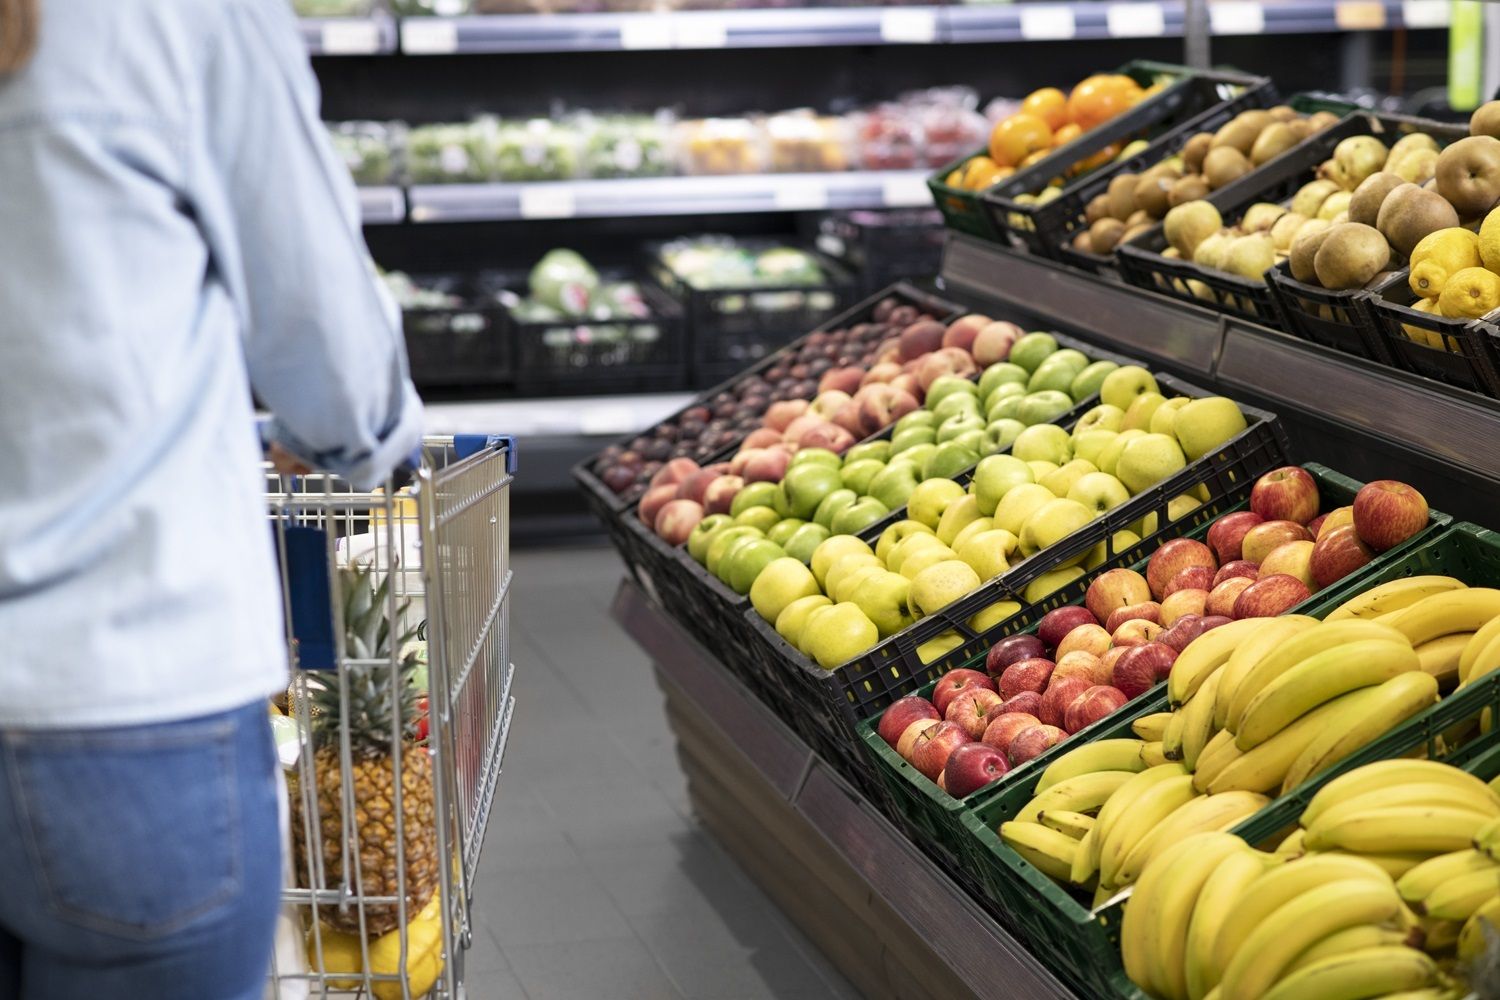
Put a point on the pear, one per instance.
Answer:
(1302, 128)
(1273, 140)
(1468, 175)
(1410, 213)
(1354, 159)
(1194, 150)
(1323, 120)
(1419, 166)
(1350, 256)
(1188, 225)
(1190, 188)
(1137, 217)
(1311, 196)
(1283, 113)
(1335, 205)
(1238, 135)
(1210, 253)
(1486, 120)
(1304, 251)
(1364, 205)
(1285, 229)
(1224, 165)
(1250, 256)
(1261, 216)
(1408, 144)
(1256, 118)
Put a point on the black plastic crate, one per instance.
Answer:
(1342, 320)
(830, 704)
(885, 246)
(1199, 103)
(1458, 352)
(463, 344)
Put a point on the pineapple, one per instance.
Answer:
(373, 694)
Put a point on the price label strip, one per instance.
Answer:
(1047, 23)
(801, 196)
(429, 36)
(908, 26)
(646, 31)
(548, 201)
(700, 33)
(1360, 15)
(1135, 20)
(351, 37)
(1236, 17)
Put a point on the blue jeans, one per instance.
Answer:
(139, 862)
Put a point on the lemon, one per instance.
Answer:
(1441, 254)
(341, 953)
(1489, 240)
(1421, 335)
(1470, 293)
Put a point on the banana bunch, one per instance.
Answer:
(1455, 629)
(1210, 917)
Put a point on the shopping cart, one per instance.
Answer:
(391, 756)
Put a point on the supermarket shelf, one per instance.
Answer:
(382, 204)
(592, 416)
(349, 36)
(653, 196)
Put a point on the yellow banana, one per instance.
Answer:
(1446, 796)
(1291, 845)
(1074, 824)
(1171, 740)
(1150, 809)
(1382, 708)
(1461, 896)
(1204, 656)
(1150, 727)
(1123, 801)
(1442, 657)
(1205, 814)
(1384, 774)
(1198, 720)
(1481, 640)
(1417, 884)
(1355, 938)
(1466, 610)
(1103, 755)
(1175, 900)
(1486, 661)
(1273, 632)
(1487, 839)
(1485, 923)
(1440, 935)
(1265, 768)
(1152, 755)
(1325, 636)
(1319, 679)
(1292, 928)
(1219, 897)
(1434, 829)
(1397, 864)
(1219, 750)
(1050, 852)
(1393, 596)
(1367, 972)
(1142, 913)
(1083, 793)
(1086, 858)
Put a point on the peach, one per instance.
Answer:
(945, 361)
(922, 337)
(962, 332)
(654, 500)
(993, 343)
(844, 380)
(780, 414)
(677, 519)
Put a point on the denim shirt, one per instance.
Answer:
(172, 220)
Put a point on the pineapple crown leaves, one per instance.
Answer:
(367, 628)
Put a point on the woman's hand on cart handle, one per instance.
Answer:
(286, 463)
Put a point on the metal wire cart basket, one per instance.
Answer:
(394, 728)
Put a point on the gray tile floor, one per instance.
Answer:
(596, 882)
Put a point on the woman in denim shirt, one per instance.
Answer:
(174, 232)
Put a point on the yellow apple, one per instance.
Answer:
(838, 633)
(940, 584)
(783, 581)
(830, 550)
(1019, 504)
(789, 623)
(1050, 581)
(931, 497)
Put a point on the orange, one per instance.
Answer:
(983, 172)
(1099, 159)
(1065, 135)
(1099, 98)
(1049, 104)
(1036, 157)
(955, 179)
(1017, 137)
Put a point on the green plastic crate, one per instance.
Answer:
(934, 817)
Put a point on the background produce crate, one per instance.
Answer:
(1462, 353)
(830, 704)
(884, 246)
(465, 344)
(1141, 262)
(1201, 102)
(936, 816)
(1341, 320)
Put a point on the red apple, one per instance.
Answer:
(930, 753)
(906, 743)
(1091, 638)
(1027, 702)
(994, 342)
(1270, 596)
(922, 337)
(721, 493)
(677, 519)
(1315, 526)
(1116, 588)
(1265, 538)
(954, 683)
(1060, 693)
(781, 413)
(1142, 666)
(1091, 706)
(1337, 554)
(1146, 611)
(1012, 649)
(1183, 603)
(1211, 622)
(902, 713)
(1030, 744)
(962, 332)
(1183, 631)
(1191, 578)
(1172, 558)
(1025, 675)
(1057, 623)
(973, 710)
(1236, 567)
(1226, 536)
(971, 767)
(1136, 632)
(1293, 559)
(1222, 598)
(1387, 513)
(1082, 664)
(1285, 494)
(1108, 660)
(1005, 727)
(674, 471)
(654, 500)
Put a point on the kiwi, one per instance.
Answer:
(1283, 113)
(1098, 208)
(1224, 165)
(1275, 139)
(1194, 150)
(1122, 196)
(1104, 234)
(1256, 118)
(1152, 191)
(1236, 135)
(1350, 256)
(1410, 213)
(1190, 188)
(1304, 252)
(1364, 205)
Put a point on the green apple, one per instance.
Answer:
(1121, 386)
(882, 597)
(1031, 350)
(946, 385)
(807, 485)
(858, 516)
(1101, 418)
(1164, 420)
(918, 457)
(857, 475)
(1041, 469)
(724, 540)
(897, 533)
(834, 549)
(974, 440)
(1075, 360)
(950, 459)
(846, 566)
(1111, 454)
(1004, 392)
(909, 547)
(1138, 417)
(819, 456)
(1008, 408)
(1057, 377)
(781, 582)
(1061, 481)
(1098, 491)
(958, 424)
(998, 374)
(971, 529)
(1087, 382)
(916, 418)
(832, 504)
(1090, 444)
(988, 552)
(877, 451)
(784, 529)
(752, 495)
(742, 563)
(993, 615)
(1148, 460)
(805, 541)
(1204, 424)
(955, 405)
(1044, 407)
(794, 616)
(763, 518)
(931, 497)
(1020, 502)
(838, 634)
(893, 485)
(911, 437)
(956, 516)
(779, 502)
(704, 534)
(996, 476)
(940, 584)
(1050, 582)
(1043, 443)
(1002, 433)
(939, 646)
(1121, 541)
(1051, 523)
